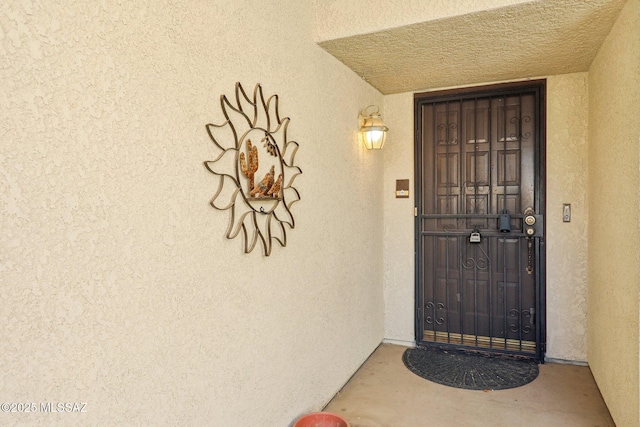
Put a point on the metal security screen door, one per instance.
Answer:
(479, 218)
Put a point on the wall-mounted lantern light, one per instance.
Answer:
(373, 132)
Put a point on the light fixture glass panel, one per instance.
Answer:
(373, 132)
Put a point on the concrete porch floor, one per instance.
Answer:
(384, 393)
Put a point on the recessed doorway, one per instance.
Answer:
(479, 226)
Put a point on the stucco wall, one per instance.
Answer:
(566, 242)
(117, 285)
(399, 256)
(614, 216)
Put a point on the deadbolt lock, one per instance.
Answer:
(529, 222)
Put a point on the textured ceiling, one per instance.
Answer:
(533, 39)
(344, 18)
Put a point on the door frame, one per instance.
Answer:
(538, 87)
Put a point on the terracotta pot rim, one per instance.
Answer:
(329, 414)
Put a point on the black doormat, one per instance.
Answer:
(470, 371)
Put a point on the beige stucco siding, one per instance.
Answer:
(566, 242)
(117, 285)
(614, 216)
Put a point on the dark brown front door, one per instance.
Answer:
(479, 170)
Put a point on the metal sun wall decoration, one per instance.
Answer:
(251, 145)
